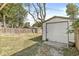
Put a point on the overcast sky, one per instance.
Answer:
(53, 9)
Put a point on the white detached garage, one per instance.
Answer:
(55, 29)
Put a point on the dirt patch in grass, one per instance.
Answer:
(72, 51)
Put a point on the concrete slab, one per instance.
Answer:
(56, 44)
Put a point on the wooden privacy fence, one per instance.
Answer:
(16, 30)
(77, 38)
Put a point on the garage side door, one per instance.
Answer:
(57, 32)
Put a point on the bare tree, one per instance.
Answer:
(37, 11)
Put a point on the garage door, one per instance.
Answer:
(57, 32)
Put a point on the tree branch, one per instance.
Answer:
(3, 6)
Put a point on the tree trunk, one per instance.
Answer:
(4, 21)
(12, 25)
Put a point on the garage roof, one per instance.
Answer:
(56, 17)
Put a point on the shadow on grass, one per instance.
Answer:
(32, 50)
(71, 51)
(37, 39)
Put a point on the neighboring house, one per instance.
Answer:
(27, 25)
(34, 29)
(55, 29)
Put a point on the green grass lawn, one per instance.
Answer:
(11, 45)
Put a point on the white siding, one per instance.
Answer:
(71, 36)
